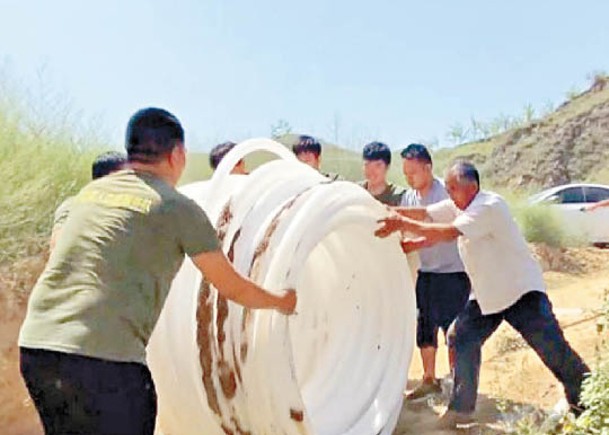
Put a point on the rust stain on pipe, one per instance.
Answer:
(204, 340)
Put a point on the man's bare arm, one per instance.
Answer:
(416, 213)
(432, 232)
(230, 284)
(412, 245)
(596, 205)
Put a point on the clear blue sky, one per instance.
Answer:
(396, 71)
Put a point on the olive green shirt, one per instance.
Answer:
(61, 214)
(121, 245)
(391, 196)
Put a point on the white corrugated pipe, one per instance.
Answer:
(340, 364)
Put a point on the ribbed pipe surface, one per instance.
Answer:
(339, 365)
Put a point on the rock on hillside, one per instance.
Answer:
(569, 145)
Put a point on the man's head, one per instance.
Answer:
(462, 183)
(155, 138)
(106, 163)
(417, 166)
(377, 158)
(308, 150)
(217, 154)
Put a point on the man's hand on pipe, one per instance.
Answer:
(391, 225)
(287, 304)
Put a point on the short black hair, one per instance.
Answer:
(151, 134)
(218, 152)
(106, 163)
(466, 172)
(377, 151)
(307, 144)
(416, 151)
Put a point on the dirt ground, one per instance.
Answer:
(17, 413)
(513, 380)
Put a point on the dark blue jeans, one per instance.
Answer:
(533, 318)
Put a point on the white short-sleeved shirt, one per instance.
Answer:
(496, 256)
(443, 257)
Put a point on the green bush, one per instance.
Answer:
(541, 224)
(595, 394)
(595, 397)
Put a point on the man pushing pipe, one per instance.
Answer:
(507, 285)
(91, 313)
(104, 164)
(377, 160)
(442, 286)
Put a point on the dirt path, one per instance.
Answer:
(513, 380)
(510, 371)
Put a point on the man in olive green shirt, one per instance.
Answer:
(92, 311)
(377, 159)
(104, 164)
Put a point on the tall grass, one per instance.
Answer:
(40, 166)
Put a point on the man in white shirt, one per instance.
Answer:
(507, 285)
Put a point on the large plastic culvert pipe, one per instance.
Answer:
(336, 367)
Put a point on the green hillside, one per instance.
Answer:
(568, 145)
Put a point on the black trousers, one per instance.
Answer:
(80, 395)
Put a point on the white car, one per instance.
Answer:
(569, 200)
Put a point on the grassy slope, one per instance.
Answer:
(507, 158)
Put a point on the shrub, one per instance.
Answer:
(595, 394)
(541, 224)
(594, 397)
